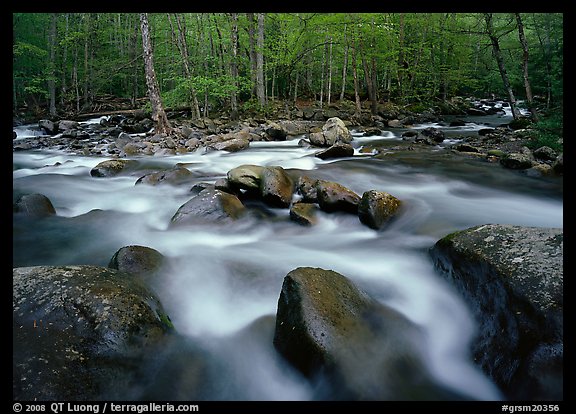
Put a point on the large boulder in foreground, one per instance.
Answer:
(351, 346)
(81, 332)
(512, 278)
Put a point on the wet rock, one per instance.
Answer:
(275, 132)
(376, 208)
(335, 197)
(350, 346)
(334, 131)
(34, 205)
(245, 177)
(306, 187)
(209, 205)
(51, 128)
(545, 153)
(435, 134)
(558, 165)
(231, 145)
(512, 278)
(304, 213)
(64, 125)
(276, 187)
(338, 150)
(81, 332)
(516, 161)
(138, 260)
(466, 148)
(110, 168)
(175, 176)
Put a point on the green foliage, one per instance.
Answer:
(416, 57)
(549, 131)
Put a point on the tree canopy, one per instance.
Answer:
(228, 60)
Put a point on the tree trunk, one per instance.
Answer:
(52, 65)
(260, 92)
(545, 45)
(183, 48)
(162, 125)
(322, 73)
(64, 62)
(329, 73)
(358, 111)
(234, 66)
(344, 66)
(527, 86)
(501, 67)
(252, 50)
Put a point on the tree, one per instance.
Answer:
(524, 43)
(162, 125)
(260, 92)
(500, 61)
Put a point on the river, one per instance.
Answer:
(223, 278)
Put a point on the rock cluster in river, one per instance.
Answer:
(88, 332)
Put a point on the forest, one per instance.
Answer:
(70, 63)
(225, 206)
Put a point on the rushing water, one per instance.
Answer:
(223, 278)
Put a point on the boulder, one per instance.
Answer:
(231, 145)
(245, 177)
(51, 128)
(138, 260)
(110, 168)
(209, 205)
(335, 197)
(512, 278)
(175, 176)
(349, 345)
(335, 131)
(337, 150)
(306, 187)
(304, 213)
(435, 134)
(276, 187)
(516, 161)
(376, 208)
(81, 333)
(275, 132)
(34, 205)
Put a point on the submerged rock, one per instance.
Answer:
(110, 168)
(348, 344)
(81, 332)
(512, 277)
(139, 260)
(34, 205)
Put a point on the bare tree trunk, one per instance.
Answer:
(52, 65)
(252, 50)
(529, 97)
(344, 66)
(545, 45)
(86, 71)
(322, 73)
(183, 48)
(401, 62)
(296, 88)
(234, 65)
(330, 73)
(64, 63)
(358, 111)
(162, 125)
(500, 60)
(260, 92)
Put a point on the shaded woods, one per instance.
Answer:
(65, 63)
